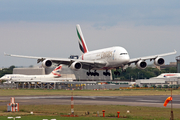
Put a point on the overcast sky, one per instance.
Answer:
(47, 27)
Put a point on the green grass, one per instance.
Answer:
(54, 111)
(67, 118)
(19, 92)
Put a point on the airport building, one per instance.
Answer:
(80, 85)
(158, 81)
(178, 64)
(29, 71)
(79, 79)
(65, 72)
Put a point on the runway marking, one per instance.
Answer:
(56, 97)
(150, 100)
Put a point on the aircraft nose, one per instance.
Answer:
(2, 78)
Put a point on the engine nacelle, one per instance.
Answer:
(47, 63)
(159, 61)
(141, 64)
(76, 66)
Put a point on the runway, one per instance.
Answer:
(149, 101)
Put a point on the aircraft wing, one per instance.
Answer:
(40, 59)
(153, 57)
(86, 64)
(22, 56)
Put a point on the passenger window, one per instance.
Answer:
(123, 54)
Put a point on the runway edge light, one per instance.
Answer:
(118, 114)
(103, 113)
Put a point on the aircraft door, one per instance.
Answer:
(114, 56)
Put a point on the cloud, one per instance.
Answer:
(102, 13)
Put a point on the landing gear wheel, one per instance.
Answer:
(106, 73)
(117, 73)
(92, 74)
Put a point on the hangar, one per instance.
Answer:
(66, 72)
(79, 79)
(157, 82)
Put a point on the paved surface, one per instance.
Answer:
(150, 101)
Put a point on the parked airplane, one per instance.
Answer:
(102, 59)
(54, 74)
(169, 75)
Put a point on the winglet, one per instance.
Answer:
(82, 43)
(6, 54)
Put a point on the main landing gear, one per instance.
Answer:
(106, 73)
(97, 74)
(117, 72)
(93, 73)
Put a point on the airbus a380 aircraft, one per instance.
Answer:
(102, 59)
(54, 74)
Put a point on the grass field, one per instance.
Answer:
(19, 92)
(54, 111)
(67, 118)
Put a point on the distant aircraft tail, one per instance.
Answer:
(56, 71)
(82, 43)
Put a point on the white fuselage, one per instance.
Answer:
(169, 75)
(20, 76)
(113, 56)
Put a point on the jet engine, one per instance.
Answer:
(46, 63)
(76, 66)
(141, 64)
(159, 61)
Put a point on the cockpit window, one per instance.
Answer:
(123, 53)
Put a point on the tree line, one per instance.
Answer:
(4, 71)
(133, 73)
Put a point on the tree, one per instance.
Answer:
(147, 73)
(7, 70)
(11, 67)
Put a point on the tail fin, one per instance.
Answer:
(56, 71)
(82, 43)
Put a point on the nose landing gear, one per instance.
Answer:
(117, 73)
